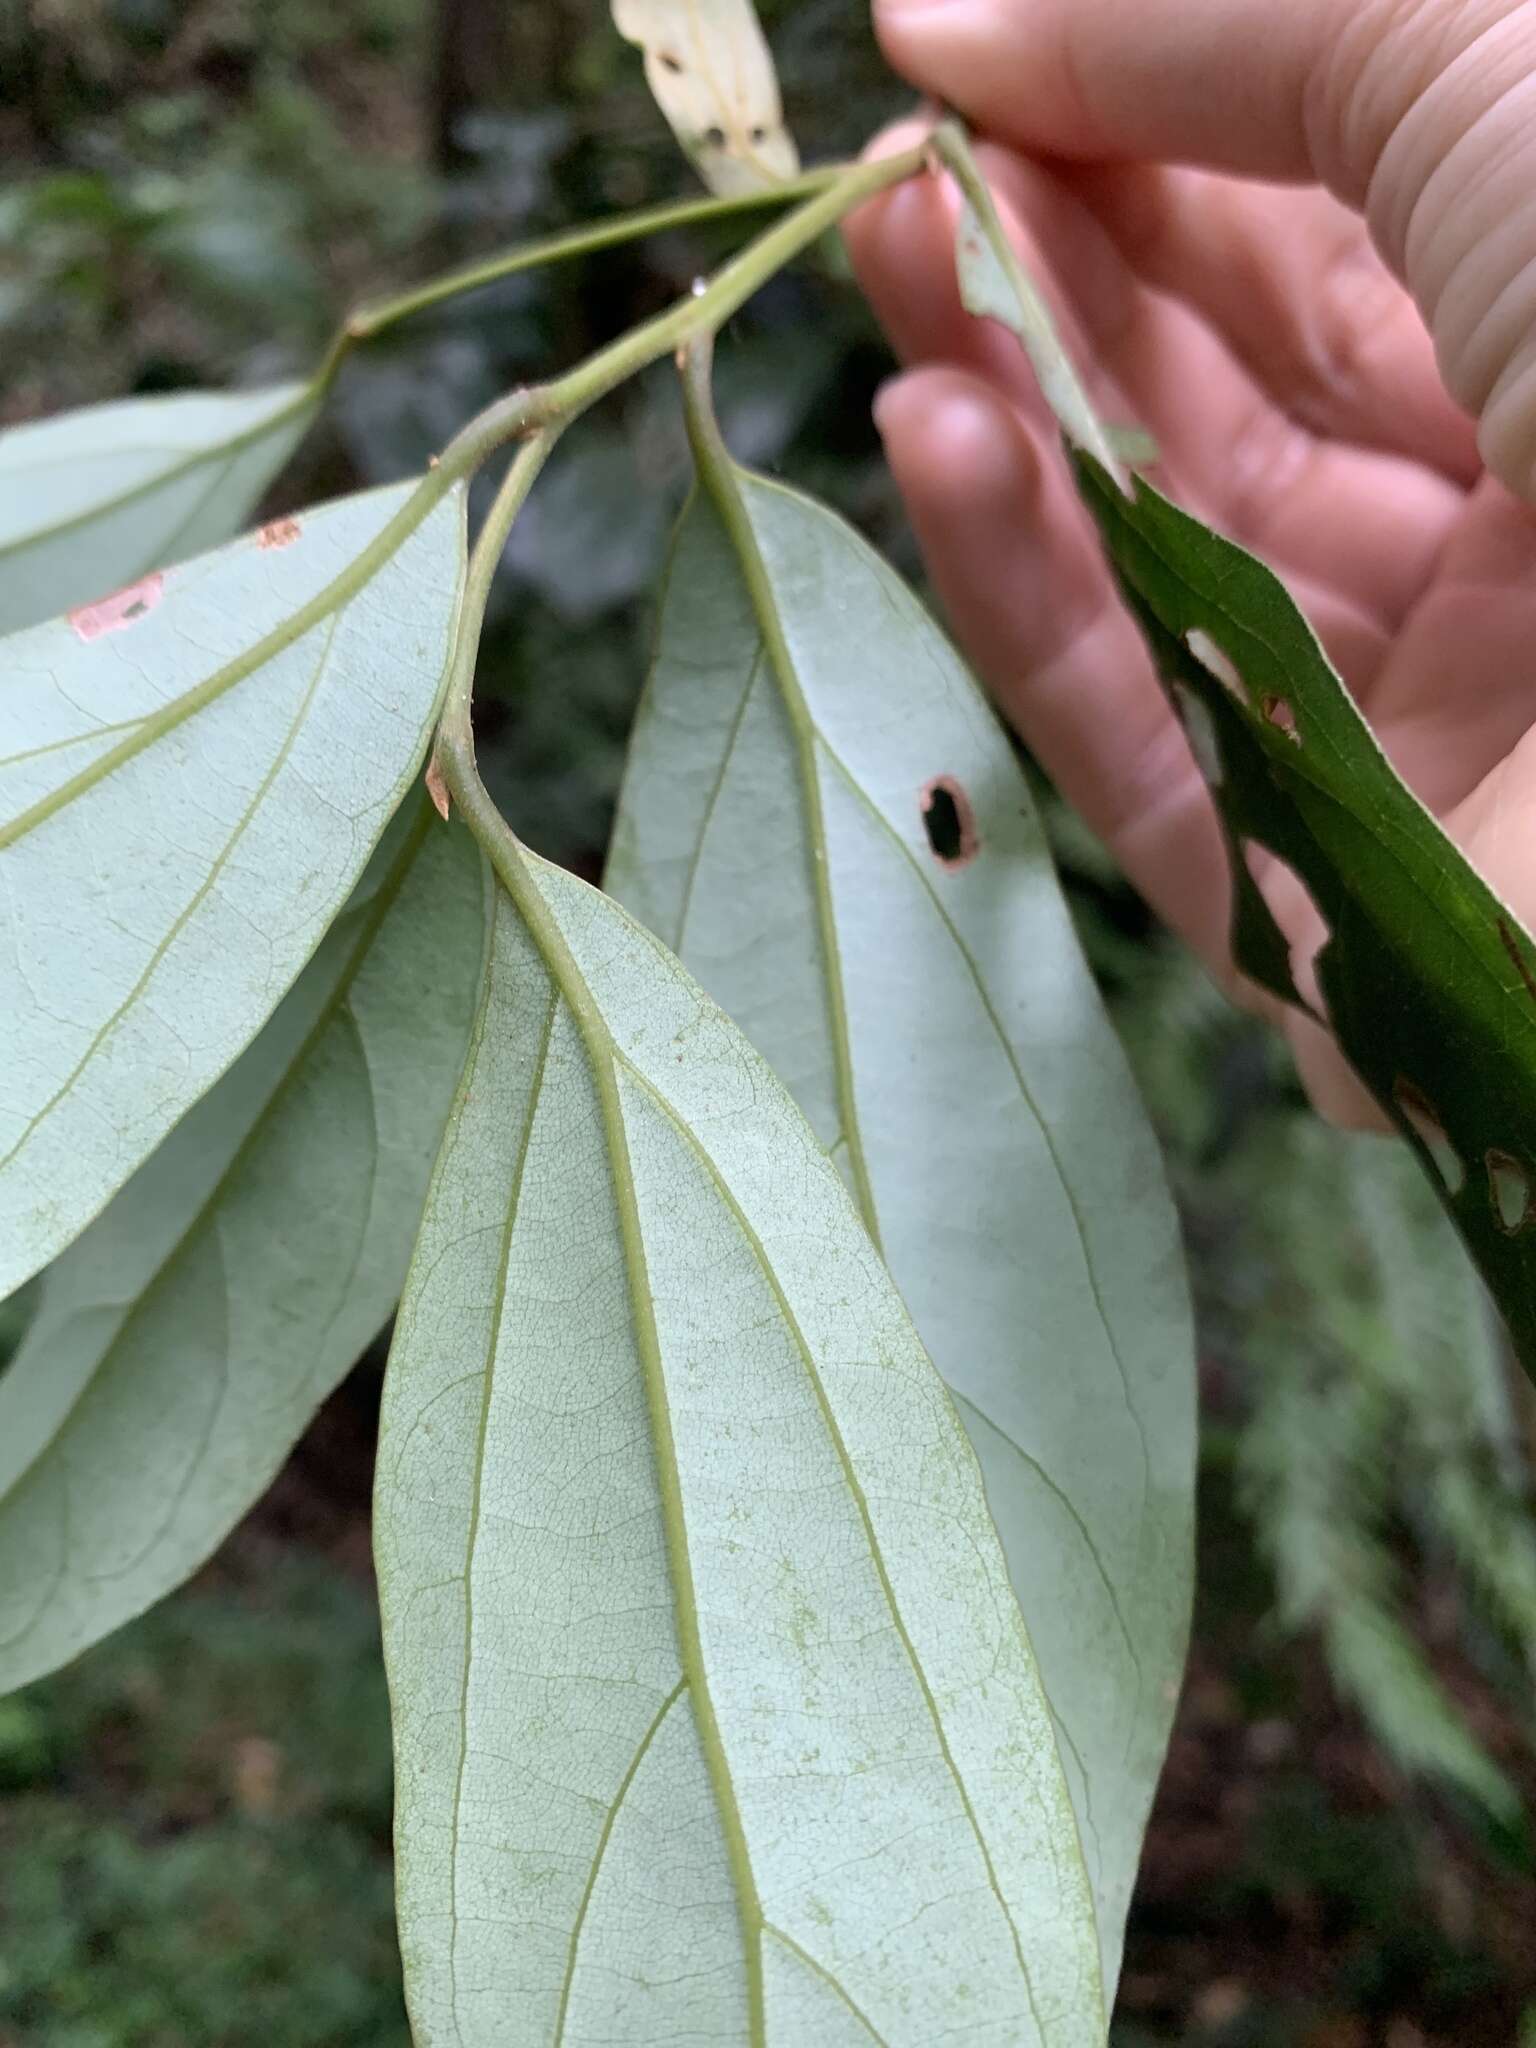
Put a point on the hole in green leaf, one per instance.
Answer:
(949, 822)
(1278, 713)
(1419, 1115)
(1510, 1186)
(1200, 731)
(1217, 660)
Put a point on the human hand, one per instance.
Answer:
(1260, 331)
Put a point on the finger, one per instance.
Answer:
(1290, 281)
(1417, 114)
(1369, 525)
(1458, 693)
(1311, 91)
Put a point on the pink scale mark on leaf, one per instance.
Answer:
(278, 533)
(122, 608)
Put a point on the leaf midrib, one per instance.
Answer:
(809, 736)
(855, 1489)
(719, 473)
(337, 595)
(184, 917)
(515, 869)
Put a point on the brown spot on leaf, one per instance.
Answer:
(949, 822)
(278, 533)
(122, 608)
(1510, 1187)
(1522, 966)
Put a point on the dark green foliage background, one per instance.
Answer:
(194, 1820)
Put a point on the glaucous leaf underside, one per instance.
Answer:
(715, 1716)
(184, 1341)
(193, 774)
(95, 499)
(822, 817)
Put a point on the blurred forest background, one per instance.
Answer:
(194, 1820)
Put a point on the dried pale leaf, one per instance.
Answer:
(193, 774)
(715, 1718)
(712, 76)
(95, 499)
(184, 1341)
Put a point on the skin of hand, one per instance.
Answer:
(1296, 240)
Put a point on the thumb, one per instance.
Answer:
(1420, 113)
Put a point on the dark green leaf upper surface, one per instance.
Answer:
(715, 1718)
(193, 774)
(822, 816)
(1428, 980)
(95, 499)
(181, 1345)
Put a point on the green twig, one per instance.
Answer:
(381, 314)
(542, 412)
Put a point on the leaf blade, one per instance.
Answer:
(238, 739)
(939, 1028)
(957, 1063)
(181, 1345)
(92, 500)
(711, 74)
(1426, 976)
(624, 1531)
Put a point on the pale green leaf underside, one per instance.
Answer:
(715, 1718)
(189, 791)
(182, 1344)
(940, 1029)
(95, 499)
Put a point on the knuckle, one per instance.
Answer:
(1354, 318)
(1269, 458)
